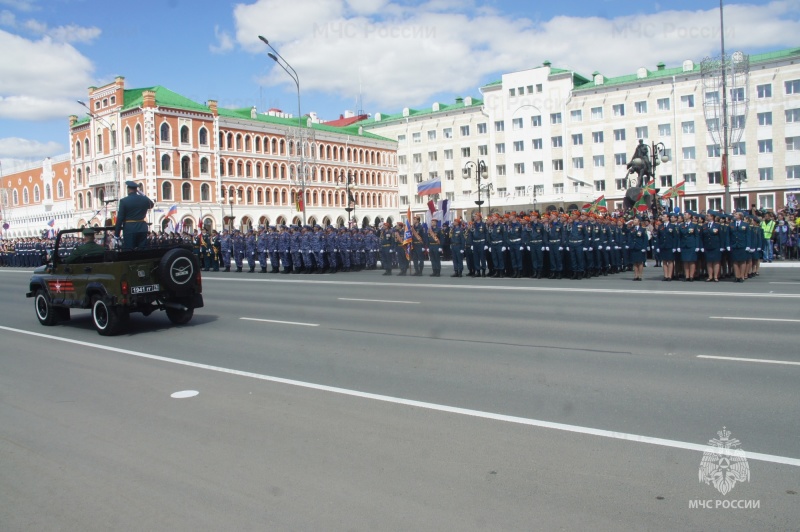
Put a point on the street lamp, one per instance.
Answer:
(533, 189)
(481, 172)
(230, 220)
(349, 185)
(284, 64)
(114, 165)
(740, 176)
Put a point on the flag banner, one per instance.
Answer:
(407, 235)
(431, 187)
(172, 211)
(598, 205)
(674, 192)
(642, 202)
(444, 206)
(431, 207)
(52, 222)
(650, 188)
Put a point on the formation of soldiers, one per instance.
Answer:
(555, 245)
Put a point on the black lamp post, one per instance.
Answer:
(230, 220)
(481, 172)
(740, 176)
(350, 185)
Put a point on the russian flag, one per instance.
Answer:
(429, 188)
(52, 222)
(172, 210)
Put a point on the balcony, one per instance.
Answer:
(104, 178)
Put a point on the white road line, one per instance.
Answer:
(560, 290)
(751, 319)
(785, 282)
(427, 406)
(282, 322)
(16, 271)
(734, 359)
(380, 301)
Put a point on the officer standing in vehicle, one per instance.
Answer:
(131, 217)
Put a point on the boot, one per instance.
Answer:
(455, 274)
(228, 269)
(483, 273)
(263, 269)
(238, 270)
(552, 275)
(387, 272)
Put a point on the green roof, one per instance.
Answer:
(577, 79)
(443, 108)
(677, 71)
(164, 98)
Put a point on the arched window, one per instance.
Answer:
(78, 150)
(204, 165)
(186, 167)
(230, 141)
(205, 192)
(164, 132)
(127, 136)
(258, 144)
(79, 176)
(248, 169)
(36, 197)
(249, 196)
(166, 163)
(258, 168)
(203, 136)
(86, 150)
(60, 188)
(139, 164)
(222, 167)
(259, 196)
(186, 192)
(239, 169)
(128, 166)
(247, 143)
(166, 191)
(282, 147)
(184, 134)
(89, 200)
(80, 200)
(283, 197)
(274, 146)
(221, 143)
(99, 143)
(230, 169)
(239, 142)
(138, 133)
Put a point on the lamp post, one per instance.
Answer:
(481, 172)
(534, 192)
(284, 64)
(230, 220)
(740, 176)
(112, 137)
(349, 185)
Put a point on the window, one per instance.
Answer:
(448, 155)
(205, 192)
(538, 167)
(401, 160)
(500, 169)
(417, 158)
(664, 130)
(403, 178)
(712, 98)
(538, 144)
(36, 193)
(465, 152)
(688, 127)
(577, 139)
(766, 201)
(464, 131)
(792, 143)
(600, 185)
(577, 163)
(764, 119)
(519, 145)
(714, 204)
(449, 175)
(737, 122)
(432, 156)
(689, 153)
(60, 189)
(792, 172)
(451, 196)
(164, 132)
(765, 174)
(576, 115)
(126, 137)
(714, 178)
(618, 109)
(764, 91)
(403, 200)
(128, 166)
(99, 143)
(555, 118)
(186, 192)
(138, 133)
(139, 164)
(519, 168)
(400, 138)
(483, 149)
(512, 92)
(738, 148)
(519, 191)
(516, 123)
(203, 136)
(666, 180)
(166, 163)
(416, 138)
(713, 150)
(433, 175)
(204, 166)
(599, 161)
(641, 107)
(620, 159)
(557, 142)
(641, 132)
(482, 129)
(418, 178)
(447, 133)
(792, 116)
(558, 164)
(765, 146)
(712, 124)
(499, 126)
(792, 87)
(621, 183)
(687, 101)
(597, 137)
(432, 134)
(538, 87)
(558, 188)
(663, 104)
(737, 94)
(536, 121)
(690, 179)
(184, 135)
(619, 134)
(597, 113)
(166, 191)
(500, 147)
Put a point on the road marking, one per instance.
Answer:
(636, 438)
(184, 394)
(15, 271)
(380, 301)
(751, 319)
(559, 290)
(734, 359)
(785, 282)
(282, 322)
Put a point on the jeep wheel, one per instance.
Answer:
(44, 310)
(177, 270)
(180, 317)
(105, 317)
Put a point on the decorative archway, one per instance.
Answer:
(246, 224)
(339, 222)
(187, 225)
(280, 220)
(297, 220)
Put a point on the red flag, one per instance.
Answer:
(431, 206)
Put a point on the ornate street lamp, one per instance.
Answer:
(350, 185)
(481, 172)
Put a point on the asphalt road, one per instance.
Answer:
(361, 402)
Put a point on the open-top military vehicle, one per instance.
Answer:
(115, 283)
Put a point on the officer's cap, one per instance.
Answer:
(88, 231)
(131, 184)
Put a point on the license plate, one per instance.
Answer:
(146, 289)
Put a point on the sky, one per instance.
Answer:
(373, 55)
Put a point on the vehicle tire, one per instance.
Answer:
(180, 317)
(177, 270)
(44, 309)
(105, 317)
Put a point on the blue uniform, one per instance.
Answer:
(261, 249)
(131, 220)
(576, 244)
(480, 235)
(555, 243)
(226, 245)
(435, 238)
(458, 244)
(387, 249)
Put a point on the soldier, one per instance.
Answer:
(131, 217)
(89, 248)
(357, 249)
(555, 244)
(435, 238)
(284, 248)
(226, 246)
(468, 255)
(667, 242)
(261, 247)
(238, 250)
(713, 243)
(331, 248)
(318, 248)
(515, 245)
(418, 246)
(535, 238)
(689, 234)
(344, 245)
(215, 250)
(372, 245)
(480, 246)
(576, 246)
(295, 250)
(458, 244)
(638, 244)
(198, 248)
(403, 255)
(272, 247)
(305, 248)
(387, 248)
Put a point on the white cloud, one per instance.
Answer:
(403, 54)
(40, 79)
(69, 33)
(21, 5)
(18, 148)
(224, 42)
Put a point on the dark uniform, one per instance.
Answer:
(131, 217)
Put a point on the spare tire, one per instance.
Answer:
(178, 270)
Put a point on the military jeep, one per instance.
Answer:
(116, 283)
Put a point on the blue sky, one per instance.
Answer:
(398, 53)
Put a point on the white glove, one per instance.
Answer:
(658, 250)
(703, 250)
(644, 251)
(563, 248)
(522, 248)
(679, 250)
(608, 248)
(722, 249)
(626, 247)
(546, 249)
(696, 250)
(462, 251)
(673, 250)
(590, 249)
(336, 251)
(485, 248)
(440, 250)
(729, 248)
(584, 249)
(503, 248)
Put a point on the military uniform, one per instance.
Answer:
(131, 217)
(435, 238)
